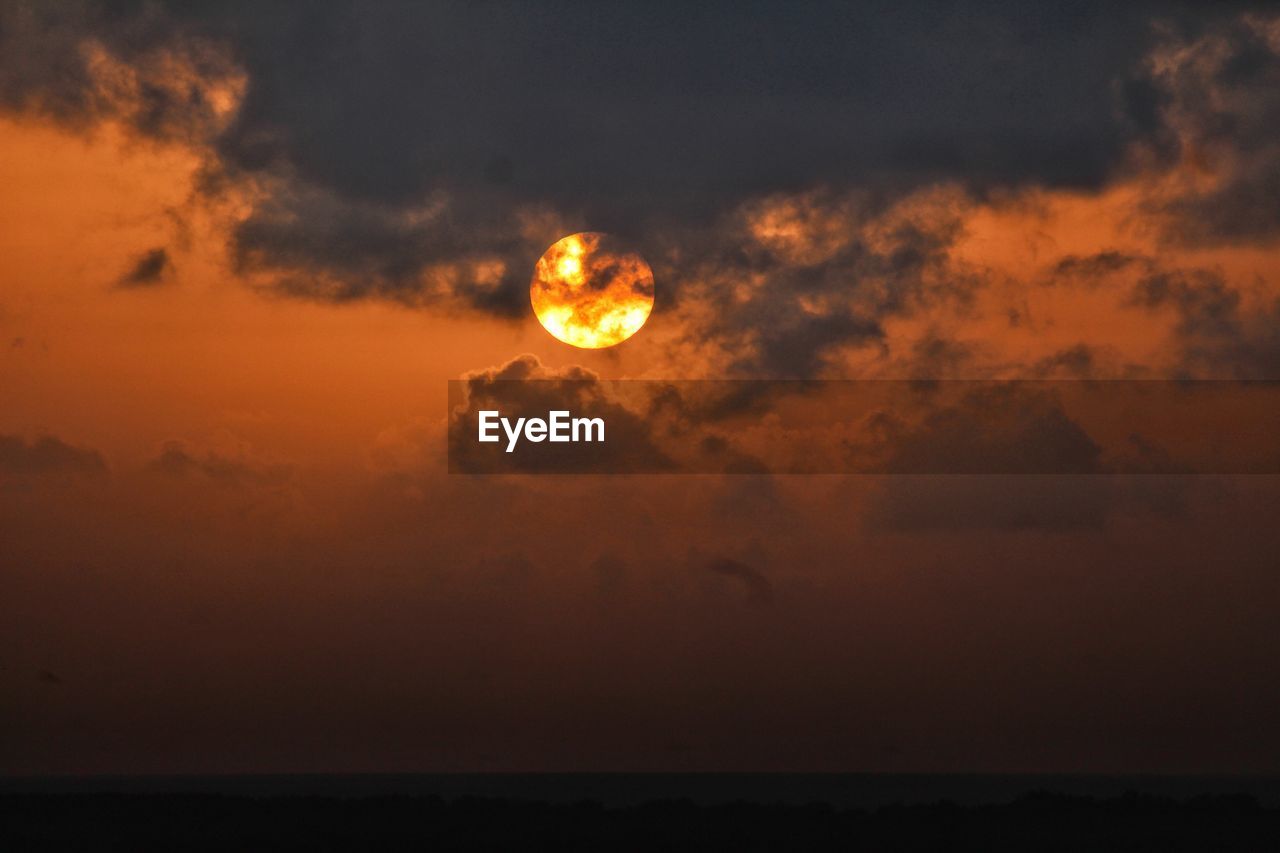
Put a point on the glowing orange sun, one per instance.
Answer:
(589, 292)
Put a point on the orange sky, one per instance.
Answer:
(275, 538)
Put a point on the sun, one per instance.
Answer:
(590, 292)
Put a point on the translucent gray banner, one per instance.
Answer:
(592, 426)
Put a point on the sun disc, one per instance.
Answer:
(590, 292)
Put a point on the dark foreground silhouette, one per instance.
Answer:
(1035, 822)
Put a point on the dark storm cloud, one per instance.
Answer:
(1089, 269)
(1207, 305)
(1214, 333)
(60, 59)
(630, 118)
(427, 154)
(149, 270)
(828, 270)
(1222, 96)
(47, 456)
(323, 246)
(641, 119)
(43, 67)
(671, 105)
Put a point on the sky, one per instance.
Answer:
(245, 248)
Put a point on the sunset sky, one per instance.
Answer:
(244, 247)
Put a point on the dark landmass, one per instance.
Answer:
(1033, 822)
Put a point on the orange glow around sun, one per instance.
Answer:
(590, 293)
